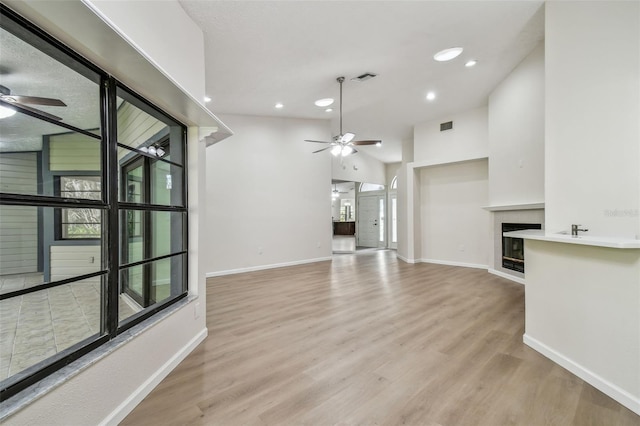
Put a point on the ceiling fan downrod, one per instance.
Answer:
(340, 80)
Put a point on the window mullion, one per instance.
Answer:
(111, 246)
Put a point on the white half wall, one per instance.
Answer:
(516, 134)
(583, 312)
(592, 112)
(454, 227)
(268, 196)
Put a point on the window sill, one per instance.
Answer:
(32, 393)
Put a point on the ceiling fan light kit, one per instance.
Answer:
(343, 144)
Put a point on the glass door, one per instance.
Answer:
(133, 250)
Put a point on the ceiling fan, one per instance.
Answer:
(343, 144)
(335, 193)
(20, 101)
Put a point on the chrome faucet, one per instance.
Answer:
(575, 229)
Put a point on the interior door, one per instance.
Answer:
(369, 220)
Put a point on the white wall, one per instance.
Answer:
(592, 113)
(516, 134)
(391, 170)
(268, 196)
(582, 303)
(455, 228)
(468, 138)
(358, 167)
(164, 34)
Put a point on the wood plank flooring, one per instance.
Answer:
(367, 339)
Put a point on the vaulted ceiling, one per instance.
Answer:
(259, 53)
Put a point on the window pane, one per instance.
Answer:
(38, 325)
(145, 180)
(165, 235)
(30, 254)
(80, 223)
(166, 184)
(394, 220)
(33, 172)
(84, 187)
(31, 72)
(143, 128)
(144, 286)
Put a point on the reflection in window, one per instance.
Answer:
(80, 223)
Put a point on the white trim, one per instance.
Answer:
(127, 406)
(505, 275)
(404, 259)
(453, 263)
(623, 397)
(263, 267)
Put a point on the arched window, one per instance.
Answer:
(394, 183)
(366, 187)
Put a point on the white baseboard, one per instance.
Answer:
(404, 259)
(452, 263)
(623, 397)
(117, 415)
(505, 275)
(263, 267)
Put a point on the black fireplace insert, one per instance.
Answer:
(513, 248)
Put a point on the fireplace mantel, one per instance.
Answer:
(513, 207)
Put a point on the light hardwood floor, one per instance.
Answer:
(367, 339)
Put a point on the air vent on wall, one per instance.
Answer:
(446, 126)
(363, 77)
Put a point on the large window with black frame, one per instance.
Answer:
(93, 214)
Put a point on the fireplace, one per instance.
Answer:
(513, 248)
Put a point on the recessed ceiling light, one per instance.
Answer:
(207, 99)
(431, 96)
(324, 102)
(447, 54)
(470, 63)
(279, 105)
(328, 110)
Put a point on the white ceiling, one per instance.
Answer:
(259, 53)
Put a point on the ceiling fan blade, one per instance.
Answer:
(369, 142)
(320, 150)
(311, 140)
(33, 100)
(37, 111)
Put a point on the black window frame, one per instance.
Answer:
(109, 204)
